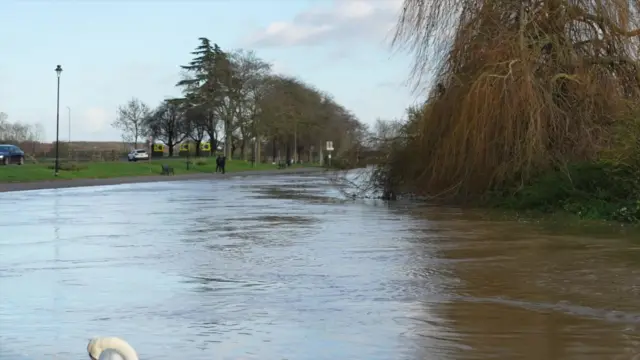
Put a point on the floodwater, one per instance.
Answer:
(286, 268)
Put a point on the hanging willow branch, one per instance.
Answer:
(523, 85)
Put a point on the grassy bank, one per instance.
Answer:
(593, 191)
(103, 170)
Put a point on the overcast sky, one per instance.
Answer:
(114, 50)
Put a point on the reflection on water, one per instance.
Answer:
(284, 268)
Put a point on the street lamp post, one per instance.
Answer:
(57, 167)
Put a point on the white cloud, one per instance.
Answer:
(344, 20)
(94, 120)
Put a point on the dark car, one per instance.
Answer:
(11, 154)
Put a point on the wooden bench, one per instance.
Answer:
(167, 170)
(282, 165)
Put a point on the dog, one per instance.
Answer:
(110, 348)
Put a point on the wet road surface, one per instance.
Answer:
(286, 268)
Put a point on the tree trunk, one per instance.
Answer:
(233, 147)
(243, 148)
(299, 150)
(258, 149)
(228, 140)
(288, 151)
(274, 151)
(243, 143)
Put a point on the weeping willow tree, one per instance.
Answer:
(520, 86)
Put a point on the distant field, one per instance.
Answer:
(100, 170)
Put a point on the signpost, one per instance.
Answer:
(255, 151)
(329, 149)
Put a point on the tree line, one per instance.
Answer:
(17, 132)
(233, 98)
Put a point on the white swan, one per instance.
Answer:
(110, 348)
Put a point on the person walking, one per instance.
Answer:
(218, 162)
(223, 162)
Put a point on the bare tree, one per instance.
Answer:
(167, 124)
(38, 132)
(20, 131)
(131, 120)
(23, 134)
(251, 76)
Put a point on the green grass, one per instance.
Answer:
(102, 170)
(590, 191)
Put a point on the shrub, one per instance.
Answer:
(339, 164)
(68, 166)
(600, 190)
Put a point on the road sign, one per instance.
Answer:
(329, 145)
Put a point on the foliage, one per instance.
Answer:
(601, 190)
(520, 89)
(252, 80)
(236, 94)
(202, 90)
(339, 164)
(196, 128)
(167, 124)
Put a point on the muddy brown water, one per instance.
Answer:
(286, 268)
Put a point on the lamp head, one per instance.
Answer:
(58, 70)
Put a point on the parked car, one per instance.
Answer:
(138, 154)
(11, 154)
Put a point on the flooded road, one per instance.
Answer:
(285, 268)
